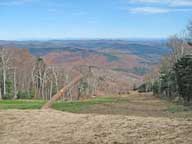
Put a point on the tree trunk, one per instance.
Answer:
(51, 90)
(4, 81)
(56, 80)
(0, 94)
(15, 85)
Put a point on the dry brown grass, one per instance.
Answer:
(55, 127)
(135, 104)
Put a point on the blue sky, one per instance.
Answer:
(65, 19)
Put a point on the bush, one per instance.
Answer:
(142, 88)
(9, 90)
(155, 88)
(25, 95)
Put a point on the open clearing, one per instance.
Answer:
(133, 119)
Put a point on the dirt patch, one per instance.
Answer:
(54, 127)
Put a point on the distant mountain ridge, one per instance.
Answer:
(138, 47)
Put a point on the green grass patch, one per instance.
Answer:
(174, 108)
(75, 106)
(78, 106)
(21, 104)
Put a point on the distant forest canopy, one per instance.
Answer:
(150, 50)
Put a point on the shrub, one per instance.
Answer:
(9, 90)
(25, 95)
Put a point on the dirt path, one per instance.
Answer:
(55, 127)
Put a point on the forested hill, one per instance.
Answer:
(139, 47)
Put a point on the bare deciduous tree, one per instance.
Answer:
(4, 59)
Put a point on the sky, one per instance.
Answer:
(92, 19)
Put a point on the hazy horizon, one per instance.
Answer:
(76, 39)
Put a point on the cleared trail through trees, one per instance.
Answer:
(139, 125)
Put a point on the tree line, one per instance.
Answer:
(23, 76)
(173, 77)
